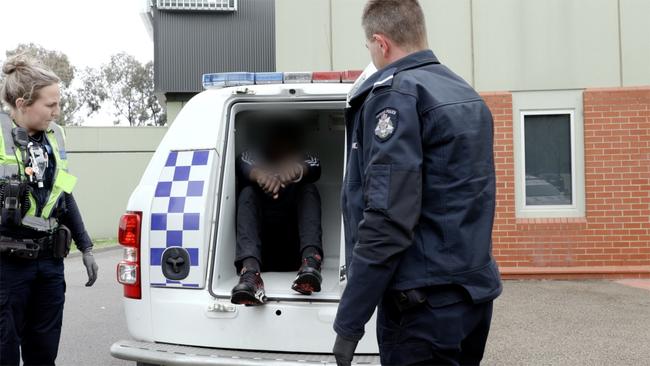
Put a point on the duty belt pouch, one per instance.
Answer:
(26, 249)
(61, 243)
(12, 195)
(406, 300)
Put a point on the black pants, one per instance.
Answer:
(428, 334)
(275, 231)
(32, 293)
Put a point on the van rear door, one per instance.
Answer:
(324, 138)
(180, 221)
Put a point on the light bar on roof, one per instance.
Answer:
(227, 79)
(297, 77)
(350, 76)
(269, 78)
(240, 78)
(326, 77)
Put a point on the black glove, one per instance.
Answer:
(91, 266)
(344, 350)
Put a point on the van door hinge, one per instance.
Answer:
(219, 307)
(343, 273)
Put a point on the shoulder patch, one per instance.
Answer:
(386, 123)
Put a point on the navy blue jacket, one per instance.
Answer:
(419, 192)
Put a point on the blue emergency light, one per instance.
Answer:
(269, 78)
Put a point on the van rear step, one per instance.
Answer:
(175, 355)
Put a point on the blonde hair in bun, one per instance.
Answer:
(14, 64)
(24, 77)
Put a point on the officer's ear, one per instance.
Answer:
(383, 43)
(20, 103)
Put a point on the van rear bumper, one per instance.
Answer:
(175, 355)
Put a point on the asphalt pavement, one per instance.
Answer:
(570, 323)
(93, 317)
(534, 323)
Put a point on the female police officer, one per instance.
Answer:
(38, 217)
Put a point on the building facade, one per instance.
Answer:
(568, 82)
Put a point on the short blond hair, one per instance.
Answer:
(400, 20)
(24, 78)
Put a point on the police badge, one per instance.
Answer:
(386, 124)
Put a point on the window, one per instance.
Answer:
(213, 5)
(548, 159)
(549, 154)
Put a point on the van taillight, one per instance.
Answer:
(128, 270)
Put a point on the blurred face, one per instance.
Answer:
(37, 116)
(283, 144)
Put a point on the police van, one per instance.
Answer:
(179, 239)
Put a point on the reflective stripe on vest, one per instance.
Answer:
(63, 182)
(8, 165)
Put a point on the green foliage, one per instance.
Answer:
(128, 85)
(92, 91)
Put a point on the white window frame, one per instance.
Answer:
(550, 103)
(522, 127)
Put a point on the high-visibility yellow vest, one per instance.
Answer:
(11, 165)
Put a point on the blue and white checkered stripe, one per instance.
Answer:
(177, 215)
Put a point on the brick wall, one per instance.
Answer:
(613, 240)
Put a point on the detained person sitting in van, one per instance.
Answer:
(278, 216)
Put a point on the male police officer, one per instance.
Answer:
(418, 202)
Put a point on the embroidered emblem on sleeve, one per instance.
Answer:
(386, 124)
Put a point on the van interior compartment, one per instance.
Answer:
(324, 128)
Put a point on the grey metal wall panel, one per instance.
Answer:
(635, 42)
(189, 44)
(97, 156)
(545, 44)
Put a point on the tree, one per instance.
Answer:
(158, 116)
(92, 93)
(60, 64)
(128, 85)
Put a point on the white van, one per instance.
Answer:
(179, 233)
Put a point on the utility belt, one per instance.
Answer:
(56, 245)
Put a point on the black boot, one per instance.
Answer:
(309, 278)
(249, 290)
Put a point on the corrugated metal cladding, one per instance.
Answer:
(191, 43)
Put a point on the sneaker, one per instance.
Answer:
(249, 290)
(309, 278)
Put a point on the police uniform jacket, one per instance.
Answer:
(419, 193)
